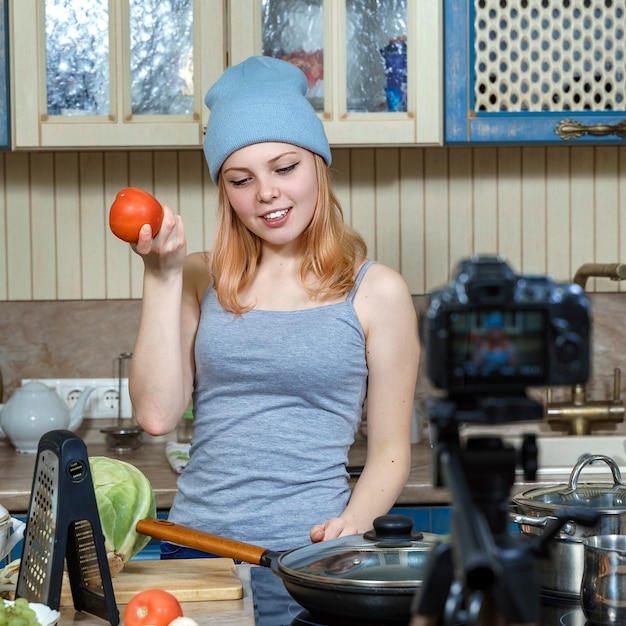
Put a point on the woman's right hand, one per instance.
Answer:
(166, 251)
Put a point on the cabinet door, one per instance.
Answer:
(536, 71)
(105, 73)
(4, 77)
(373, 66)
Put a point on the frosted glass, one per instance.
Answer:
(78, 59)
(375, 49)
(161, 42)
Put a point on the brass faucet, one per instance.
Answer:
(614, 271)
(579, 412)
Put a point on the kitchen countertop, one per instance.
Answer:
(16, 474)
(206, 613)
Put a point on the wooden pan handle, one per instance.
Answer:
(200, 540)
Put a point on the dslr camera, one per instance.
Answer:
(490, 332)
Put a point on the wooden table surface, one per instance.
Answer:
(206, 613)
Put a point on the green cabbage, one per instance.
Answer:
(124, 496)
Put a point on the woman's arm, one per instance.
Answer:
(385, 308)
(161, 372)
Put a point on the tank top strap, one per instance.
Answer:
(358, 279)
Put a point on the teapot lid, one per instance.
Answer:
(35, 385)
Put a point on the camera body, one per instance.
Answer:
(490, 332)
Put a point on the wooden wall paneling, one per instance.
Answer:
(68, 228)
(485, 194)
(210, 196)
(166, 172)
(412, 244)
(558, 213)
(387, 195)
(43, 226)
(460, 205)
(439, 256)
(534, 252)
(141, 174)
(4, 270)
(362, 199)
(190, 198)
(582, 221)
(93, 225)
(18, 242)
(340, 173)
(606, 212)
(509, 203)
(117, 252)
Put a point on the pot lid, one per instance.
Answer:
(390, 557)
(604, 497)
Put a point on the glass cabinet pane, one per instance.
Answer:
(78, 60)
(77, 57)
(161, 50)
(293, 30)
(376, 54)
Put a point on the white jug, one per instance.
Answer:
(35, 409)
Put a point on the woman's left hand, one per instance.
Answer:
(333, 528)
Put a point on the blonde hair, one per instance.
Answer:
(331, 248)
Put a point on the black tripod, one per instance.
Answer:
(484, 569)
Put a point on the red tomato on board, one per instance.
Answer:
(131, 209)
(152, 607)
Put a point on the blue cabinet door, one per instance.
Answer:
(4, 77)
(534, 72)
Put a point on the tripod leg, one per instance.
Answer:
(430, 601)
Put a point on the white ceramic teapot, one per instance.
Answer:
(11, 532)
(35, 409)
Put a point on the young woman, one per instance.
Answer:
(278, 334)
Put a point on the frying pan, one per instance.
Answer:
(369, 578)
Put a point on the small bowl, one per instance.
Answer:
(45, 615)
(123, 438)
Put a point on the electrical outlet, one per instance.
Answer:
(102, 403)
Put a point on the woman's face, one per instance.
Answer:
(272, 187)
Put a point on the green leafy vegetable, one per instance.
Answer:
(124, 496)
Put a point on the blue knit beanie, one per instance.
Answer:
(260, 99)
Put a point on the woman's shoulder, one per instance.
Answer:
(382, 281)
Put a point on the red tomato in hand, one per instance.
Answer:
(131, 209)
(152, 607)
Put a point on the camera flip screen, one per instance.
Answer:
(497, 347)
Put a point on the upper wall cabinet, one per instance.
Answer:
(113, 73)
(373, 66)
(535, 71)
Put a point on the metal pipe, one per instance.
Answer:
(614, 271)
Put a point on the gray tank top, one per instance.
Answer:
(277, 402)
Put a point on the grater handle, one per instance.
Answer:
(201, 540)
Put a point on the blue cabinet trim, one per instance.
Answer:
(464, 125)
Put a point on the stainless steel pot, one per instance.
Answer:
(561, 574)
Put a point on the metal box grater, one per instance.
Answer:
(63, 525)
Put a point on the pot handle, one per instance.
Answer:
(541, 522)
(586, 459)
(200, 540)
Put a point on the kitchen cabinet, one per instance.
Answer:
(4, 78)
(544, 72)
(113, 73)
(352, 51)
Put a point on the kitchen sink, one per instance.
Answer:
(559, 454)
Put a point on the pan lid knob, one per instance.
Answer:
(393, 528)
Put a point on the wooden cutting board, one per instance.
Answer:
(188, 579)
